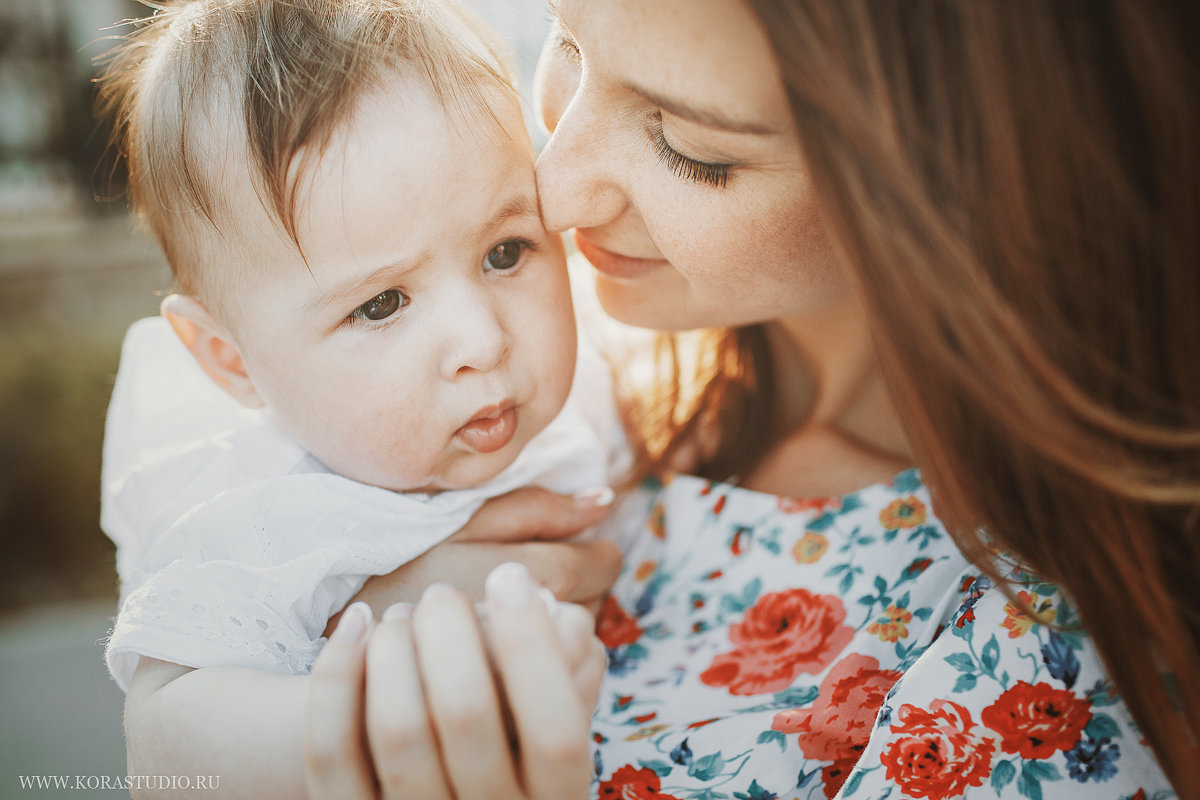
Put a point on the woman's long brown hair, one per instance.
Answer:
(1015, 185)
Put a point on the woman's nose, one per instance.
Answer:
(577, 176)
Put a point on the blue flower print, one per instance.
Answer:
(1093, 759)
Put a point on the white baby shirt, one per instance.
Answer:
(235, 546)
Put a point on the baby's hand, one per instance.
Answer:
(575, 625)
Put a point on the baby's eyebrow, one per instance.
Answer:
(518, 206)
(522, 205)
(353, 287)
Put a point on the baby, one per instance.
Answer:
(345, 192)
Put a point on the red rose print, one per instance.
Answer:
(796, 505)
(628, 783)
(834, 775)
(782, 635)
(615, 627)
(839, 723)
(1036, 721)
(740, 541)
(703, 722)
(937, 753)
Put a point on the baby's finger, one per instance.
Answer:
(574, 571)
(403, 746)
(585, 654)
(590, 674)
(335, 755)
(550, 719)
(576, 630)
(461, 697)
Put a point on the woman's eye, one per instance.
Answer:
(381, 306)
(505, 255)
(566, 43)
(689, 169)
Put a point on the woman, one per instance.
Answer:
(999, 285)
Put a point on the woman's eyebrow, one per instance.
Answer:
(707, 117)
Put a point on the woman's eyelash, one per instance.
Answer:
(566, 43)
(688, 168)
(569, 47)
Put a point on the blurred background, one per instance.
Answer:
(74, 273)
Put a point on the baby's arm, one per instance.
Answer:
(242, 726)
(530, 525)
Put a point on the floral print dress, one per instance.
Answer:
(764, 647)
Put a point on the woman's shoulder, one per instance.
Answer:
(1005, 704)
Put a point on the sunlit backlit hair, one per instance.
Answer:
(207, 93)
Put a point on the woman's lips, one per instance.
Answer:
(490, 429)
(613, 264)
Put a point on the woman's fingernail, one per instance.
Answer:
(594, 497)
(509, 587)
(352, 627)
(397, 611)
(434, 590)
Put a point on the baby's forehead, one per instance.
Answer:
(401, 110)
(434, 165)
(426, 159)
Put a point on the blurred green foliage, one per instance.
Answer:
(54, 390)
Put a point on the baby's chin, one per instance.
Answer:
(478, 470)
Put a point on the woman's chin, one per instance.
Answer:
(643, 304)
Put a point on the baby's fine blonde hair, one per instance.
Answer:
(205, 91)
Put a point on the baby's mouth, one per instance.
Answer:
(491, 428)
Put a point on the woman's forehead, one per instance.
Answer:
(710, 56)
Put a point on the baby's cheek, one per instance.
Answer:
(386, 449)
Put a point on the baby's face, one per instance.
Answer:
(431, 335)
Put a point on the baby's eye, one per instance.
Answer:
(381, 306)
(505, 255)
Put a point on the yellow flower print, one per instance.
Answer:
(647, 732)
(658, 521)
(809, 548)
(1018, 623)
(907, 512)
(645, 570)
(891, 625)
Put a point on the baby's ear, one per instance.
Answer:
(212, 346)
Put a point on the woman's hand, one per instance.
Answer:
(438, 702)
(529, 526)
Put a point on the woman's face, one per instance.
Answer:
(674, 157)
